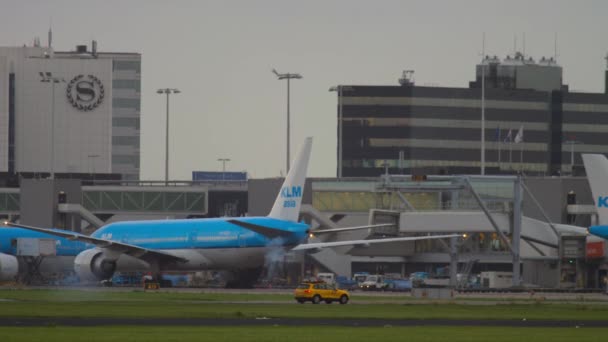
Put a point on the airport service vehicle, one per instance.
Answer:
(359, 277)
(328, 278)
(373, 283)
(345, 283)
(596, 166)
(417, 278)
(399, 285)
(316, 292)
(237, 245)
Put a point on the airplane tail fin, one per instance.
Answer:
(596, 166)
(287, 204)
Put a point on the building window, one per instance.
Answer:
(127, 65)
(126, 122)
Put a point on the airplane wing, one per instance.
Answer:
(269, 232)
(121, 247)
(356, 243)
(345, 229)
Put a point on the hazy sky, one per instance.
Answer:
(220, 55)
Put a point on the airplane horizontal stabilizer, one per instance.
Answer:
(271, 233)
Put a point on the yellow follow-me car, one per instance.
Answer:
(318, 291)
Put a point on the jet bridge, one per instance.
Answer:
(488, 208)
(64, 203)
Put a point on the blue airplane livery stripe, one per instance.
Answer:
(601, 231)
(199, 233)
(64, 247)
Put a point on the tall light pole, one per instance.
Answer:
(47, 77)
(340, 89)
(223, 160)
(167, 91)
(288, 77)
(483, 105)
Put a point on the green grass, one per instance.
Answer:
(295, 334)
(75, 303)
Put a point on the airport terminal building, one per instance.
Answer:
(72, 113)
(437, 130)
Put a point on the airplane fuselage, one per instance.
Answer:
(206, 243)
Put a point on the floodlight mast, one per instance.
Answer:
(167, 91)
(288, 77)
(47, 77)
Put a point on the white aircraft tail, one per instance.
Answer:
(287, 204)
(596, 166)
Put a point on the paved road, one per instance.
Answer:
(264, 321)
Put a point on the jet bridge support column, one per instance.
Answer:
(516, 234)
(454, 244)
(453, 262)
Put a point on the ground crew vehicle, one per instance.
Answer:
(373, 283)
(316, 292)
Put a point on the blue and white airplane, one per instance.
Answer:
(237, 244)
(596, 166)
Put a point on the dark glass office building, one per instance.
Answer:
(533, 124)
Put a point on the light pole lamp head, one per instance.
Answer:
(289, 76)
(168, 91)
(286, 75)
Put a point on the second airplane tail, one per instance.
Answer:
(596, 166)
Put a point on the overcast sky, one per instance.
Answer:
(220, 55)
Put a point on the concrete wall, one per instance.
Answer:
(39, 202)
(543, 273)
(551, 194)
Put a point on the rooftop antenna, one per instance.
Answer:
(50, 37)
(555, 47)
(524, 44)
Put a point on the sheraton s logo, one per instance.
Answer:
(602, 202)
(85, 92)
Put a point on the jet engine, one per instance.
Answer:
(94, 265)
(9, 267)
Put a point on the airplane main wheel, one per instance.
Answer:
(316, 299)
(344, 299)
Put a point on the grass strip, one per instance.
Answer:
(295, 334)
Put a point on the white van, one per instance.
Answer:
(328, 278)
